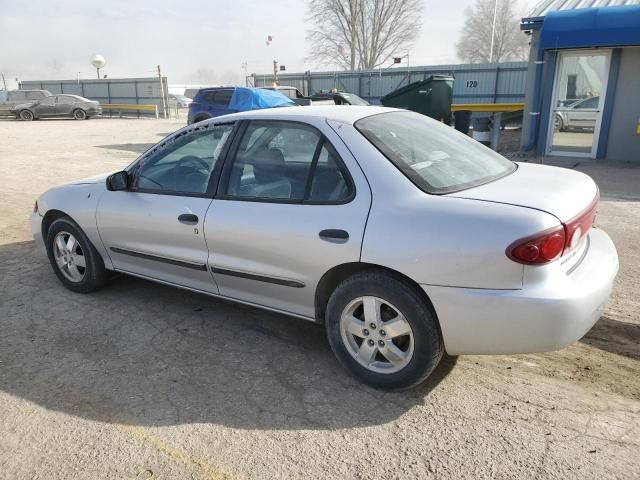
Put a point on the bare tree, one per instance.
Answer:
(509, 43)
(362, 34)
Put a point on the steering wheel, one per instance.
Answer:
(192, 158)
(183, 175)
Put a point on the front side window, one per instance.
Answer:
(48, 101)
(435, 157)
(589, 103)
(287, 161)
(185, 165)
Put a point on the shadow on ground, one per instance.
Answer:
(146, 354)
(129, 147)
(621, 338)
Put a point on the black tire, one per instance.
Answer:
(26, 115)
(94, 275)
(79, 114)
(428, 347)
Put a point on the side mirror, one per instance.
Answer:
(118, 181)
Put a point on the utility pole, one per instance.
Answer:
(4, 81)
(164, 101)
(408, 70)
(493, 30)
(275, 73)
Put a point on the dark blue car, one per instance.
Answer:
(213, 102)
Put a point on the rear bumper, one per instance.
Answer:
(551, 311)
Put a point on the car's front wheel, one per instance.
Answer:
(79, 114)
(383, 330)
(26, 115)
(74, 259)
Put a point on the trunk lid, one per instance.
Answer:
(562, 192)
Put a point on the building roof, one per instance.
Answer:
(546, 6)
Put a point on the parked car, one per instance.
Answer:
(178, 101)
(291, 92)
(58, 106)
(338, 98)
(17, 97)
(213, 102)
(580, 114)
(404, 237)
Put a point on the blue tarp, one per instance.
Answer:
(591, 27)
(255, 98)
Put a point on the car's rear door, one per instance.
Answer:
(155, 229)
(65, 105)
(292, 203)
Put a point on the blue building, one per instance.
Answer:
(583, 81)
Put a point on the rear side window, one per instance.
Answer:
(287, 161)
(16, 96)
(435, 157)
(35, 95)
(219, 98)
(67, 99)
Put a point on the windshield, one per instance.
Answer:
(435, 157)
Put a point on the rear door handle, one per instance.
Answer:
(188, 218)
(334, 235)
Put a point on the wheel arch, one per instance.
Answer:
(51, 216)
(333, 277)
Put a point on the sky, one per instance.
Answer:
(195, 41)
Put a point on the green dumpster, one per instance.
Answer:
(431, 97)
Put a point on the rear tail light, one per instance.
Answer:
(546, 246)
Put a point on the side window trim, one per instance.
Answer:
(312, 168)
(223, 179)
(134, 169)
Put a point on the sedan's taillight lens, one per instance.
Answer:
(546, 246)
(541, 248)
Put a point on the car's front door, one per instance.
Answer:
(155, 228)
(292, 203)
(46, 107)
(585, 113)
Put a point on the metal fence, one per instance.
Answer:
(474, 83)
(144, 91)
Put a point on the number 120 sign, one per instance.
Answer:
(472, 83)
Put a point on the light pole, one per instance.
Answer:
(493, 30)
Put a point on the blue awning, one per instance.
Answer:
(591, 27)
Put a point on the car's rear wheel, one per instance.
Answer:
(26, 115)
(79, 114)
(74, 259)
(383, 330)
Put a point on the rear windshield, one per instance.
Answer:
(437, 158)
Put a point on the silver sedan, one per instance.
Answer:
(403, 237)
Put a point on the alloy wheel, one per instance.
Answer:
(69, 256)
(376, 334)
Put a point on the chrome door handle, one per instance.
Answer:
(188, 218)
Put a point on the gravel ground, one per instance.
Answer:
(141, 381)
